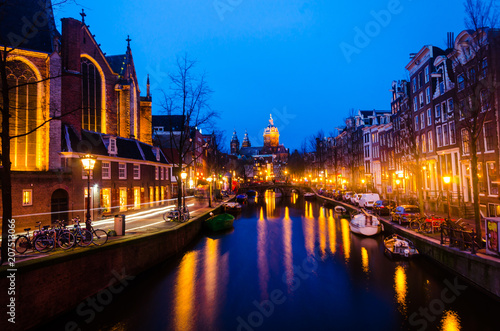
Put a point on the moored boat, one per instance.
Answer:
(342, 212)
(220, 222)
(397, 246)
(365, 224)
(309, 196)
(233, 207)
(242, 198)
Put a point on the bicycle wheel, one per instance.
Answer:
(414, 225)
(83, 237)
(426, 227)
(22, 244)
(100, 237)
(44, 243)
(66, 240)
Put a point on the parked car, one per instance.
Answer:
(368, 199)
(405, 213)
(355, 199)
(384, 207)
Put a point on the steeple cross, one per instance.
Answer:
(83, 15)
(128, 40)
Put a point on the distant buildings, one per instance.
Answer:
(263, 163)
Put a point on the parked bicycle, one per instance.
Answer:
(83, 236)
(27, 241)
(99, 237)
(58, 235)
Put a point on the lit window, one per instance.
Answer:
(162, 174)
(427, 74)
(422, 121)
(428, 95)
(156, 173)
(112, 146)
(137, 197)
(452, 133)
(439, 136)
(122, 171)
(91, 96)
(106, 170)
(27, 197)
(429, 139)
(137, 171)
(445, 135)
(123, 199)
(106, 200)
(429, 117)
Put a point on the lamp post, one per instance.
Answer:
(210, 191)
(366, 185)
(447, 181)
(397, 184)
(88, 162)
(183, 177)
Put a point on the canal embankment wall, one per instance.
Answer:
(50, 286)
(480, 270)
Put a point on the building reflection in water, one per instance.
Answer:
(262, 262)
(332, 234)
(287, 249)
(346, 239)
(308, 226)
(401, 288)
(450, 321)
(211, 279)
(364, 260)
(270, 198)
(322, 231)
(295, 196)
(185, 292)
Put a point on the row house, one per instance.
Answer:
(77, 101)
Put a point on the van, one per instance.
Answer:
(368, 199)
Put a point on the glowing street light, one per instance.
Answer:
(88, 162)
(447, 181)
(183, 177)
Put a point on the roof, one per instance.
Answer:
(250, 151)
(117, 63)
(13, 14)
(169, 122)
(96, 144)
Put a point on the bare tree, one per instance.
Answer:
(188, 100)
(476, 84)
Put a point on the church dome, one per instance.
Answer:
(271, 135)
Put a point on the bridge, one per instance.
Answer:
(285, 189)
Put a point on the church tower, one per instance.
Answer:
(246, 141)
(271, 135)
(235, 144)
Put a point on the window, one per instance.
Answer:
(427, 74)
(445, 135)
(429, 139)
(450, 106)
(453, 134)
(416, 123)
(106, 170)
(24, 112)
(461, 82)
(492, 178)
(112, 146)
(415, 104)
(465, 141)
(367, 138)
(158, 129)
(91, 96)
(485, 100)
(439, 136)
(437, 112)
(429, 117)
(480, 175)
(421, 99)
(367, 151)
(27, 197)
(484, 68)
(422, 121)
(123, 198)
(420, 79)
(424, 145)
(106, 199)
(489, 136)
(428, 95)
(137, 197)
(414, 84)
(137, 171)
(472, 75)
(122, 171)
(444, 111)
(162, 174)
(156, 174)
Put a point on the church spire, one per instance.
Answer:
(148, 89)
(128, 41)
(83, 15)
(246, 140)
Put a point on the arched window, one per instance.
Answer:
(91, 96)
(23, 97)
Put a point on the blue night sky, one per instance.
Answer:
(277, 56)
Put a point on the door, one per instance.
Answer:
(59, 205)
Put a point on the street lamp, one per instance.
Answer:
(183, 177)
(366, 186)
(210, 191)
(88, 162)
(447, 181)
(397, 184)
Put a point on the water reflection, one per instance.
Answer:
(401, 288)
(287, 248)
(185, 292)
(364, 260)
(308, 225)
(211, 278)
(346, 239)
(270, 198)
(332, 235)
(263, 265)
(295, 196)
(322, 231)
(450, 321)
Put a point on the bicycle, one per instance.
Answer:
(421, 224)
(25, 241)
(57, 235)
(99, 237)
(83, 236)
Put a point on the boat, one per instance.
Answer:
(342, 212)
(309, 196)
(397, 246)
(251, 193)
(365, 224)
(242, 198)
(232, 207)
(220, 222)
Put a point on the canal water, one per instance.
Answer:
(290, 264)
